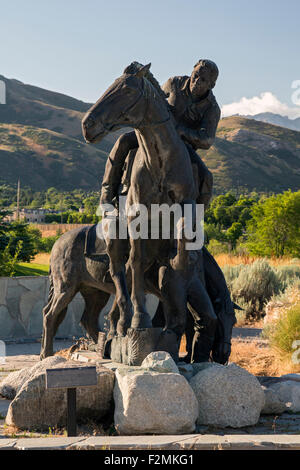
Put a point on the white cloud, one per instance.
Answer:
(265, 103)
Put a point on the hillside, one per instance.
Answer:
(41, 140)
(251, 155)
(278, 120)
(41, 143)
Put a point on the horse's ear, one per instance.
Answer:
(143, 71)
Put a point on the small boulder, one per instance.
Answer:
(273, 403)
(160, 361)
(10, 386)
(288, 392)
(227, 396)
(148, 402)
(199, 366)
(36, 407)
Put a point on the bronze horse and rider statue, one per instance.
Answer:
(157, 163)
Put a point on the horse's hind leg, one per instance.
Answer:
(95, 301)
(113, 317)
(53, 314)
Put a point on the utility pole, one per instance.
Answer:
(61, 206)
(18, 200)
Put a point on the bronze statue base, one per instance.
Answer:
(133, 348)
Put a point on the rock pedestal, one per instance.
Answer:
(133, 348)
(227, 396)
(35, 407)
(149, 402)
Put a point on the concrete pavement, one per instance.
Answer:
(180, 443)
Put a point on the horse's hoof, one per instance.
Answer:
(122, 328)
(107, 349)
(141, 320)
(44, 355)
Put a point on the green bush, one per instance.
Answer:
(8, 262)
(285, 331)
(287, 275)
(216, 247)
(47, 243)
(231, 273)
(255, 285)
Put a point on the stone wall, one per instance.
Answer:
(21, 303)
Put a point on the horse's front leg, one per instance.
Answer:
(141, 318)
(117, 255)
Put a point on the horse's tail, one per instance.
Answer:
(50, 292)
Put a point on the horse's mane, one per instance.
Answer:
(135, 67)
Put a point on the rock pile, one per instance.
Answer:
(158, 397)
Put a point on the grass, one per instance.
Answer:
(258, 358)
(42, 258)
(226, 259)
(31, 269)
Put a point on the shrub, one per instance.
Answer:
(285, 331)
(8, 262)
(256, 284)
(216, 247)
(231, 273)
(47, 243)
(287, 275)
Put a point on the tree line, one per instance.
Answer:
(254, 224)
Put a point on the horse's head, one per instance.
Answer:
(121, 105)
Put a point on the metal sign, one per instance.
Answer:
(71, 377)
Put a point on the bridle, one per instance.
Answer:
(144, 93)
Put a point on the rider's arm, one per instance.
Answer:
(170, 90)
(114, 166)
(204, 136)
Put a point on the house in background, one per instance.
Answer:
(32, 216)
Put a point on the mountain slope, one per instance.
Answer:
(252, 155)
(42, 158)
(277, 120)
(35, 124)
(41, 142)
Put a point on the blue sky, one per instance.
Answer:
(79, 47)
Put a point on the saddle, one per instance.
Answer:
(95, 247)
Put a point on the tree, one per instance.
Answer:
(19, 231)
(274, 229)
(234, 233)
(90, 204)
(8, 260)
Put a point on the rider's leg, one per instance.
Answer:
(203, 176)
(114, 166)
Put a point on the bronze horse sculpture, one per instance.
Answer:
(161, 173)
(71, 271)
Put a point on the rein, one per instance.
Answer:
(152, 124)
